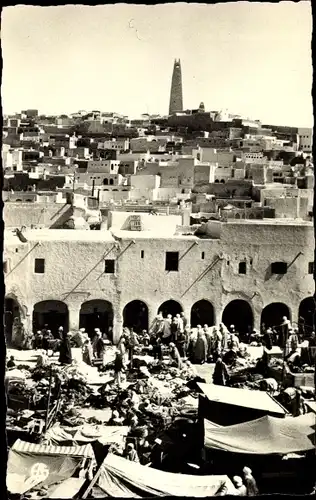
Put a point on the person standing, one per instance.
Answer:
(250, 483)
(157, 348)
(65, 356)
(220, 375)
(267, 339)
(200, 347)
(132, 342)
(174, 329)
(208, 337)
(87, 352)
(184, 320)
(98, 345)
(293, 340)
(119, 366)
(284, 331)
(166, 331)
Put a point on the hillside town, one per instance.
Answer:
(159, 309)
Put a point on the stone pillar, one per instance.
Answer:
(117, 326)
(74, 316)
(257, 321)
(187, 313)
(152, 313)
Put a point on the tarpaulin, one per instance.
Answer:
(258, 400)
(43, 449)
(26, 471)
(121, 478)
(86, 434)
(266, 435)
(67, 489)
(30, 464)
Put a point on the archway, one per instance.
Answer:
(306, 315)
(53, 313)
(135, 315)
(11, 311)
(170, 307)
(96, 314)
(202, 313)
(272, 314)
(239, 313)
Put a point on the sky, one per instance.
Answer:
(253, 59)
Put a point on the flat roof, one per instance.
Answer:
(271, 222)
(47, 234)
(258, 400)
(143, 235)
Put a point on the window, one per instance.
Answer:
(172, 261)
(142, 254)
(111, 182)
(105, 182)
(109, 266)
(250, 262)
(203, 255)
(5, 267)
(39, 266)
(242, 268)
(311, 268)
(279, 268)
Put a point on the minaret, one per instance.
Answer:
(176, 103)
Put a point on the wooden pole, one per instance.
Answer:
(49, 396)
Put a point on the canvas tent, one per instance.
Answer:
(266, 435)
(229, 406)
(61, 435)
(122, 478)
(31, 464)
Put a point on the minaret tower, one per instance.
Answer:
(176, 100)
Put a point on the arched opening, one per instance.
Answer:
(53, 313)
(135, 315)
(11, 312)
(111, 182)
(272, 314)
(239, 313)
(105, 182)
(216, 181)
(306, 314)
(96, 314)
(222, 181)
(237, 216)
(202, 313)
(170, 307)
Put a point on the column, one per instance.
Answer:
(152, 313)
(256, 321)
(117, 326)
(74, 316)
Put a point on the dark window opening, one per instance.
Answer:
(142, 254)
(5, 267)
(250, 262)
(228, 262)
(311, 268)
(111, 182)
(279, 268)
(16, 250)
(242, 268)
(203, 255)
(172, 261)
(109, 266)
(39, 266)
